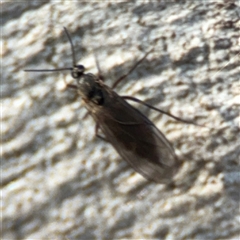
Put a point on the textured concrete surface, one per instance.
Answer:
(59, 181)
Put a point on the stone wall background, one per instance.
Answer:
(59, 181)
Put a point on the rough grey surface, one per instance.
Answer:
(59, 181)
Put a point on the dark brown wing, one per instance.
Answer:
(135, 138)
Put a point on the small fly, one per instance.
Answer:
(133, 135)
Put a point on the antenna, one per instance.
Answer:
(72, 47)
(58, 69)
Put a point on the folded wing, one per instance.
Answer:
(137, 140)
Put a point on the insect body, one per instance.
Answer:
(133, 135)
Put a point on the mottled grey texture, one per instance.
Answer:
(59, 181)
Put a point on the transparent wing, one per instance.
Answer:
(137, 140)
(151, 158)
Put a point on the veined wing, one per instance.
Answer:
(136, 139)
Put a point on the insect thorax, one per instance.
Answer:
(89, 88)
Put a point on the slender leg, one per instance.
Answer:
(164, 112)
(132, 68)
(100, 76)
(72, 86)
(97, 134)
(68, 85)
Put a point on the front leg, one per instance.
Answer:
(97, 134)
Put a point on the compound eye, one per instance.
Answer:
(80, 68)
(77, 71)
